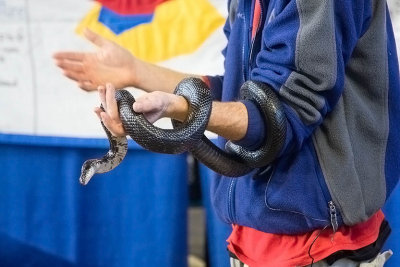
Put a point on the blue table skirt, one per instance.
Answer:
(134, 215)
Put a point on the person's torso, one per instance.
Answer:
(291, 195)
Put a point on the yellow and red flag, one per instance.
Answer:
(154, 30)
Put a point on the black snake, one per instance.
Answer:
(189, 135)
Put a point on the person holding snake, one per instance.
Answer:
(329, 76)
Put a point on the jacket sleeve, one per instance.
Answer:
(215, 82)
(305, 47)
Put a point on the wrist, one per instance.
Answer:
(131, 78)
(178, 108)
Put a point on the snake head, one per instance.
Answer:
(87, 171)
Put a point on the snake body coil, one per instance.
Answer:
(189, 135)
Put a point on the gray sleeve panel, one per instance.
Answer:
(351, 142)
(316, 60)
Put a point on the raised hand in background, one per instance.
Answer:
(110, 63)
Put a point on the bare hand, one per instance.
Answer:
(154, 105)
(110, 63)
(157, 105)
(110, 115)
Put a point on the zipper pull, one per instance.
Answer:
(332, 212)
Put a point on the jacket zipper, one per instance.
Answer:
(230, 198)
(245, 70)
(332, 212)
(332, 207)
(246, 32)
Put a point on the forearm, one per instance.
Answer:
(150, 77)
(228, 119)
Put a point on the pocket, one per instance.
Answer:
(295, 188)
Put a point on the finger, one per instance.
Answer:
(73, 75)
(143, 104)
(150, 102)
(98, 110)
(76, 56)
(137, 107)
(112, 107)
(114, 128)
(102, 95)
(70, 65)
(138, 104)
(107, 121)
(87, 86)
(93, 37)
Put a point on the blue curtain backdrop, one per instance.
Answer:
(132, 216)
(217, 231)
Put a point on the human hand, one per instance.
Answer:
(110, 63)
(157, 104)
(110, 115)
(153, 106)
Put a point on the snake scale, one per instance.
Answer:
(234, 161)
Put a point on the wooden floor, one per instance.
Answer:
(196, 237)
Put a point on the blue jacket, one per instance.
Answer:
(333, 64)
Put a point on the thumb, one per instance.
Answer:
(94, 37)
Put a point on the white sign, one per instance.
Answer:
(36, 98)
(394, 8)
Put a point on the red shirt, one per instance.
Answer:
(256, 18)
(259, 249)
